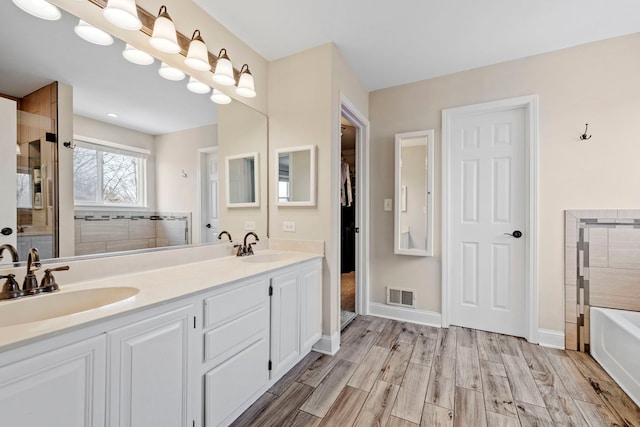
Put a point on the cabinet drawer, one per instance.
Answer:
(229, 386)
(228, 305)
(232, 337)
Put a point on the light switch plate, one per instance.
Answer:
(388, 203)
(250, 225)
(289, 226)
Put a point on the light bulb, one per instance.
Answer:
(220, 98)
(164, 37)
(137, 56)
(92, 34)
(39, 8)
(223, 73)
(122, 14)
(171, 73)
(196, 86)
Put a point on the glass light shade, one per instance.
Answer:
(123, 14)
(197, 55)
(223, 73)
(137, 56)
(196, 86)
(39, 8)
(246, 86)
(94, 35)
(220, 98)
(171, 73)
(164, 37)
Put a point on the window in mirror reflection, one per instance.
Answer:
(104, 175)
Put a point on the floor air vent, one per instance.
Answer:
(401, 297)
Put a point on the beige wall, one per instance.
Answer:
(304, 109)
(242, 130)
(595, 83)
(176, 152)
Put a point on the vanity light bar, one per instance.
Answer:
(227, 76)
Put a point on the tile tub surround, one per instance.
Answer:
(602, 267)
(114, 231)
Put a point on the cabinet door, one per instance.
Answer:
(311, 314)
(149, 363)
(59, 388)
(285, 322)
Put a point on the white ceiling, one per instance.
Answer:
(388, 43)
(35, 53)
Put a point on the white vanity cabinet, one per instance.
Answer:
(149, 371)
(63, 387)
(236, 348)
(296, 315)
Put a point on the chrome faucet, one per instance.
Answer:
(11, 250)
(228, 235)
(248, 249)
(30, 284)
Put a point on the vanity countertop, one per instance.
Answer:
(155, 287)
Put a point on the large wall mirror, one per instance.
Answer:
(413, 225)
(167, 144)
(296, 176)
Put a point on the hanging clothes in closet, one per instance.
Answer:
(348, 219)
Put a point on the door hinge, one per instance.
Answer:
(269, 364)
(194, 423)
(270, 290)
(357, 229)
(194, 322)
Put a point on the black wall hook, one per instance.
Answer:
(69, 145)
(584, 136)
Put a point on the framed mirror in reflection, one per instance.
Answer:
(242, 180)
(296, 176)
(142, 165)
(413, 218)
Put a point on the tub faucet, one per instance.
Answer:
(228, 235)
(248, 249)
(30, 284)
(11, 250)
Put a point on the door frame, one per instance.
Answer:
(202, 154)
(351, 112)
(530, 105)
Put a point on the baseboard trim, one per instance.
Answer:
(402, 314)
(550, 338)
(328, 344)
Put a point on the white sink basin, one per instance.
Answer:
(47, 306)
(270, 257)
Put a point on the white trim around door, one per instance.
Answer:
(530, 105)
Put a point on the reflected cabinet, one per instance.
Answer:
(413, 211)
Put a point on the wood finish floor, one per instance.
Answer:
(401, 375)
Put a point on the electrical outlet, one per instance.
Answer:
(250, 225)
(388, 206)
(289, 226)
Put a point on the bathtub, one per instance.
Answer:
(615, 344)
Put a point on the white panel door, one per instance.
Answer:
(212, 217)
(149, 370)
(488, 196)
(8, 139)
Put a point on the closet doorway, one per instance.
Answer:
(348, 221)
